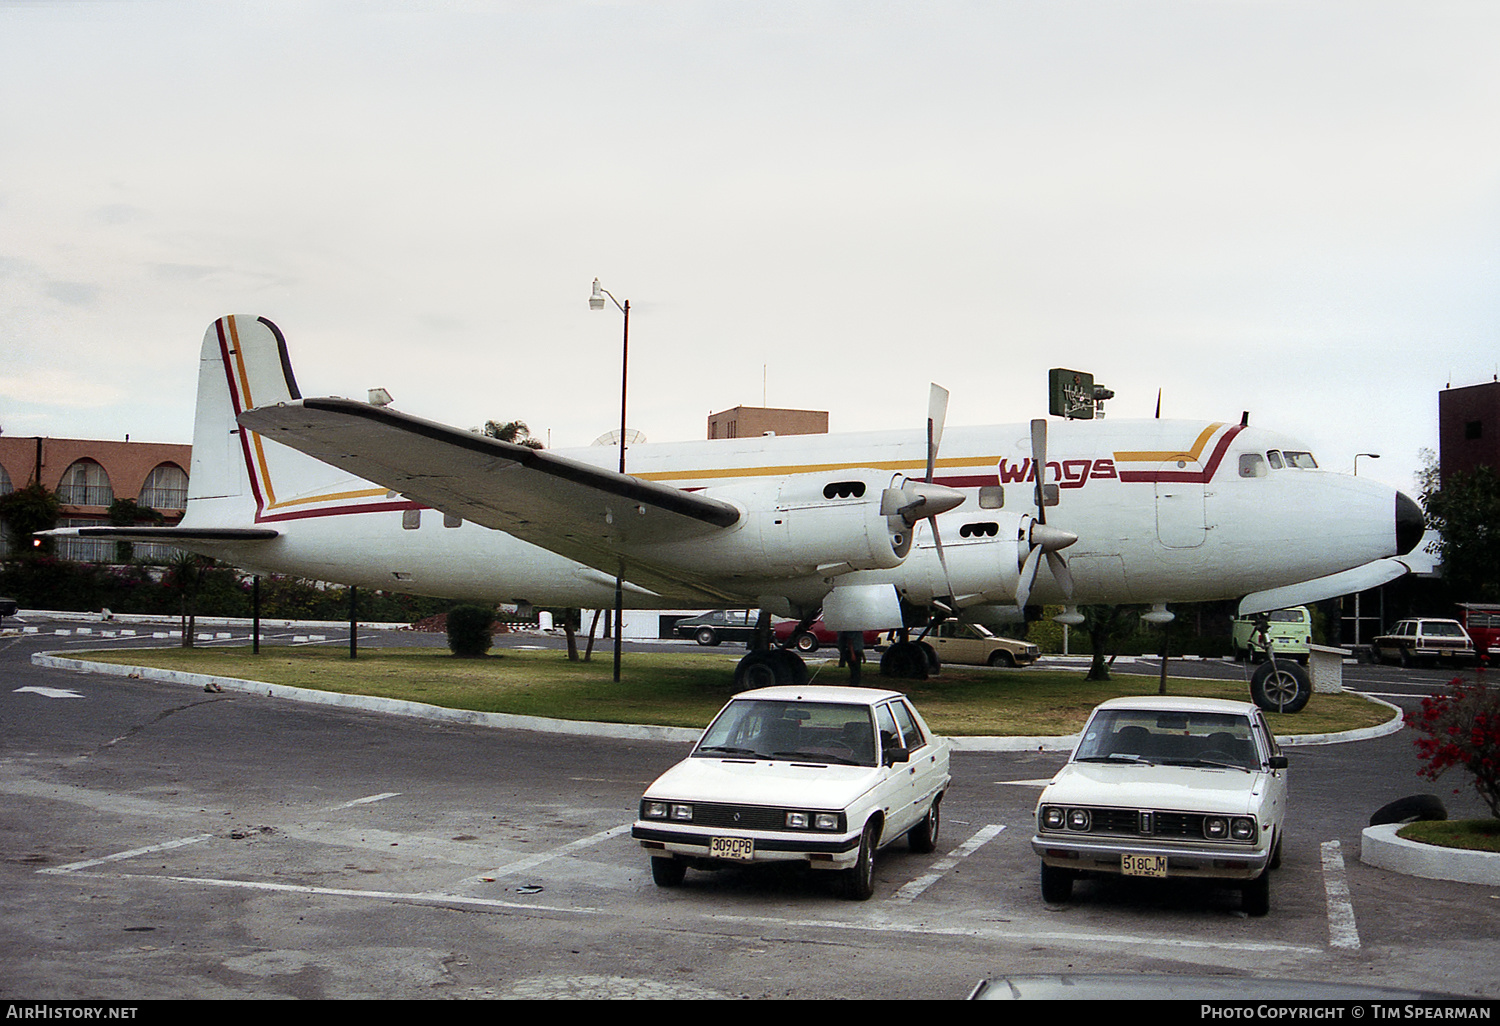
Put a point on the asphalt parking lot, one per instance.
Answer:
(163, 842)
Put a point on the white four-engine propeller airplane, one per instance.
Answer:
(871, 530)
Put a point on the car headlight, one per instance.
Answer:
(798, 819)
(666, 810)
(1242, 828)
(1215, 828)
(1053, 817)
(1079, 819)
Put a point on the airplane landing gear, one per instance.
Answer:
(769, 668)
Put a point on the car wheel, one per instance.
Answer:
(806, 643)
(668, 872)
(706, 637)
(859, 879)
(1280, 686)
(1406, 660)
(1256, 895)
(1000, 657)
(1057, 885)
(922, 838)
(1276, 853)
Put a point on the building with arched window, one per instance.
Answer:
(87, 476)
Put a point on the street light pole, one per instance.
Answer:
(1359, 595)
(596, 302)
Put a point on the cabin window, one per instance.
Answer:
(1252, 464)
(411, 519)
(844, 490)
(991, 496)
(449, 520)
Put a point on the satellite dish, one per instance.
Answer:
(632, 437)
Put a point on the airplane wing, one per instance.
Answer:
(1361, 578)
(577, 510)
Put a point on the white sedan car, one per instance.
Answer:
(822, 775)
(1167, 787)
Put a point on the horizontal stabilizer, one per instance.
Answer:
(1361, 578)
(166, 535)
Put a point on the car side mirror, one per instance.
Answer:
(895, 755)
(1276, 762)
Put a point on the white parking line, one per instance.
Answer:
(74, 867)
(1342, 932)
(367, 801)
(532, 861)
(907, 893)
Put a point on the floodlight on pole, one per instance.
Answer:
(596, 302)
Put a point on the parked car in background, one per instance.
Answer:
(1288, 634)
(817, 634)
(8, 607)
(821, 775)
(973, 644)
(717, 626)
(1482, 622)
(1167, 787)
(1425, 640)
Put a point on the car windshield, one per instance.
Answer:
(1169, 738)
(824, 732)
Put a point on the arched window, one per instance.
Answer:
(85, 484)
(165, 488)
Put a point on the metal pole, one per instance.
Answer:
(624, 383)
(255, 611)
(353, 622)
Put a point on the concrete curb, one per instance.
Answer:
(585, 728)
(1381, 848)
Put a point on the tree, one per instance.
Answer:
(129, 513)
(27, 511)
(512, 431)
(1465, 510)
(1105, 625)
(471, 631)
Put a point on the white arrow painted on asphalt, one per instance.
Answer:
(51, 692)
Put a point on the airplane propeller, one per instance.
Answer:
(937, 415)
(1042, 540)
(921, 500)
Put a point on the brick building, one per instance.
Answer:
(1469, 428)
(753, 421)
(88, 475)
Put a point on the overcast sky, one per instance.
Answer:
(1291, 208)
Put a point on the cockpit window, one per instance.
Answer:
(1252, 464)
(1300, 460)
(1274, 458)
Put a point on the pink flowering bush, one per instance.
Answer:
(1462, 728)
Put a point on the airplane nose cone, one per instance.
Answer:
(1410, 524)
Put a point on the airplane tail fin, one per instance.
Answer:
(243, 363)
(240, 478)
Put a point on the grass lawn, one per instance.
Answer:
(685, 690)
(1474, 834)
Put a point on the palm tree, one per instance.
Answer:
(512, 431)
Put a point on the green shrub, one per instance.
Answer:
(470, 631)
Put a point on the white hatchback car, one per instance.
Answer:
(1167, 787)
(822, 775)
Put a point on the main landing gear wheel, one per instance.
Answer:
(906, 660)
(1280, 685)
(769, 668)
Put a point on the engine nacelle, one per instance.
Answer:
(796, 526)
(984, 549)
